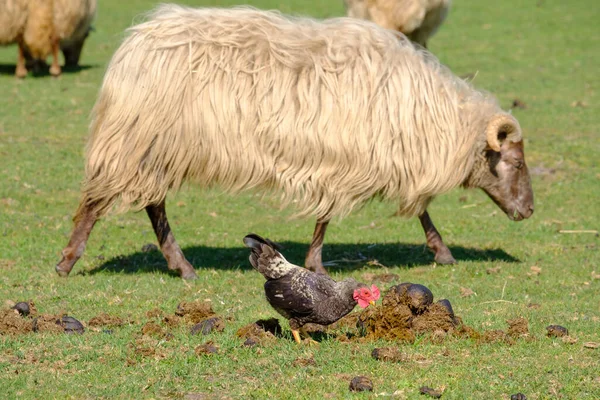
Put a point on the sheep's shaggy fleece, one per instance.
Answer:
(331, 113)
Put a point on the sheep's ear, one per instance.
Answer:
(500, 128)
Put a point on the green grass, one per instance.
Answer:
(544, 53)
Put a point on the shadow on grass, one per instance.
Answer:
(347, 257)
(9, 69)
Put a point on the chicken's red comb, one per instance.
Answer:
(375, 292)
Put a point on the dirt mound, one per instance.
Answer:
(195, 311)
(260, 332)
(208, 325)
(106, 320)
(12, 323)
(408, 310)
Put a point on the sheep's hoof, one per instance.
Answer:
(21, 72)
(55, 70)
(189, 275)
(444, 257)
(61, 272)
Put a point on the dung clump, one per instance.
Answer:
(436, 394)
(71, 325)
(12, 323)
(407, 309)
(194, 311)
(48, 323)
(556, 331)
(208, 325)
(361, 384)
(390, 354)
(207, 348)
(106, 320)
(152, 329)
(518, 328)
(25, 308)
(259, 332)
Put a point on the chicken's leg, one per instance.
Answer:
(296, 336)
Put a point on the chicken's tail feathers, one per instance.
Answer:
(266, 258)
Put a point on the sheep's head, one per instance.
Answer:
(501, 170)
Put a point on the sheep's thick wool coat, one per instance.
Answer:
(328, 113)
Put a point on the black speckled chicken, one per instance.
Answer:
(302, 296)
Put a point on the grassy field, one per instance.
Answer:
(543, 53)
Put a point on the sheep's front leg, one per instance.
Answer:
(172, 252)
(21, 70)
(435, 242)
(55, 67)
(84, 222)
(313, 259)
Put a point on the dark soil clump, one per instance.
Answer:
(391, 354)
(518, 396)
(556, 331)
(361, 384)
(207, 348)
(207, 326)
(436, 394)
(25, 308)
(71, 325)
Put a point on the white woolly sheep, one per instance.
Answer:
(417, 19)
(330, 113)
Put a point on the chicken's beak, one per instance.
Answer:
(372, 302)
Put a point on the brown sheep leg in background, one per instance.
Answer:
(313, 259)
(21, 70)
(55, 67)
(175, 259)
(434, 241)
(84, 222)
(72, 53)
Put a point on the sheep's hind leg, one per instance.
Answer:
(314, 261)
(435, 242)
(172, 252)
(84, 222)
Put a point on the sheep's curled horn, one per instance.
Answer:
(502, 124)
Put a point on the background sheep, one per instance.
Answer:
(330, 113)
(417, 19)
(40, 27)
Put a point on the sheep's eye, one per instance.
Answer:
(518, 164)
